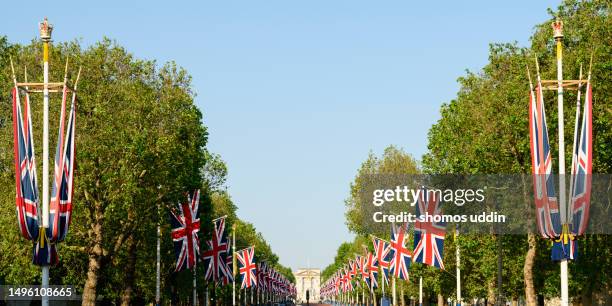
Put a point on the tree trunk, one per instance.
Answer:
(530, 294)
(130, 270)
(440, 300)
(95, 263)
(491, 296)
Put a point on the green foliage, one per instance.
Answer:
(140, 149)
(484, 130)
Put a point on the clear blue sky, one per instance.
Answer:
(296, 93)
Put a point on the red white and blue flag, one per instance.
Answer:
(247, 267)
(428, 235)
(215, 256)
(60, 208)
(185, 227)
(383, 257)
(372, 268)
(582, 169)
(401, 256)
(566, 247)
(27, 199)
(547, 207)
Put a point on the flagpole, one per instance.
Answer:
(233, 265)
(458, 266)
(195, 301)
(45, 36)
(393, 290)
(558, 36)
(382, 280)
(421, 291)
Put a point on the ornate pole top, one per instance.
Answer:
(557, 26)
(45, 30)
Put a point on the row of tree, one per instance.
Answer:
(484, 130)
(141, 145)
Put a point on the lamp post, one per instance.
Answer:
(45, 36)
(557, 26)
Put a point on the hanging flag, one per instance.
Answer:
(214, 258)
(383, 257)
(428, 236)
(401, 256)
(566, 247)
(25, 169)
(60, 207)
(547, 207)
(247, 267)
(581, 175)
(185, 228)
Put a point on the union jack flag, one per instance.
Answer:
(428, 236)
(25, 169)
(382, 251)
(372, 267)
(247, 267)
(401, 256)
(260, 276)
(582, 169)
(547, 207)
(214, 258)
(60, 208)
(353, 269)
(185, 228)
(228, 276)
(363, 269)
(566, 247)
(348, 284)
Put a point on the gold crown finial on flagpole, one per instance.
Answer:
(45, 30)
(557, 26)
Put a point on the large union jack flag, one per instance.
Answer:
(25, 169)
(214, 257)
(547, 208)
(428, 236)
(247, 267)
(44, 253)
(185, 228)
(60, 208)
(401, 256)
(566, 247)
(383, 257)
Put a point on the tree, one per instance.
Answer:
(136, 127)
(484, 130)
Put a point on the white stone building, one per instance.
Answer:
(307, 280)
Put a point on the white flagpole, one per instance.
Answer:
(393, 291)
(45, 31)
(233, 266)
(382, 280)
(421, 291)
(558, 35)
